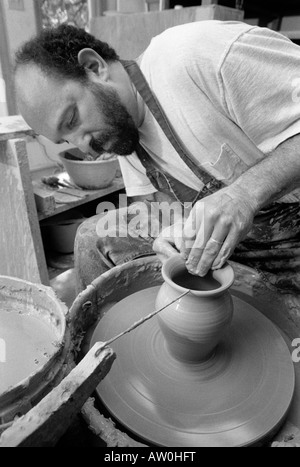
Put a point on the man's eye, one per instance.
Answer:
(72, 121)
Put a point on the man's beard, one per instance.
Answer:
(122, 133)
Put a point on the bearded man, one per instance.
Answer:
(208, 115)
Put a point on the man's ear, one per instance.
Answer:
(93, 62)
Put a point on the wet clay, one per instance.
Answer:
(192, 282)
(235, 398)
(27, 344)
(120, 282)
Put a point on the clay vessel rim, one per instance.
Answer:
(178, 260)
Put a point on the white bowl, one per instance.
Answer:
(90, 175)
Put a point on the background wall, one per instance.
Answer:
(20, 22)
(43, 154)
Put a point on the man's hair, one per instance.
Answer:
(56, 50)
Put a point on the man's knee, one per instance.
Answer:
(98, 250)
(88, 262)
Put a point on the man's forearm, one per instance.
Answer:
(223, 219)
(274, 176)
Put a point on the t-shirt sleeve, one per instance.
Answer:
(134, 176)
(260, 87)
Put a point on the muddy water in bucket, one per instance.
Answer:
(28, 344)
(34, 344)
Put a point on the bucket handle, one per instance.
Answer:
(45, 423)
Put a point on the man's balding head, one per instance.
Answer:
(72, 87)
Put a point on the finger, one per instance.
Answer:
(162, 258)
(173, 235)
(196, 232)
(210, 251)
(226, 250)
(191, 228)
(177, 234)
(164, 247)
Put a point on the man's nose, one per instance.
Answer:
(82, 142)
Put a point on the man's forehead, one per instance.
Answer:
(31, 82)
(42, 98)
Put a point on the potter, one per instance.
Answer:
(228, 155)
(195, 324)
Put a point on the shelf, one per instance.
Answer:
(65, 201)
(14, 127)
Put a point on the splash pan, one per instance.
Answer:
(237, 398)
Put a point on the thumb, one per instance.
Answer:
(164, 247)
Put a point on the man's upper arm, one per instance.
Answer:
(259, 78)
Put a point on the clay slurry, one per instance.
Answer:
(29, 343)
(192, 282)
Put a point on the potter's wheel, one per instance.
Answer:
(238, 397)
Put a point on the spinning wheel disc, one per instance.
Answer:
(236, 398)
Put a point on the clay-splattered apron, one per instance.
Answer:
(272, 246)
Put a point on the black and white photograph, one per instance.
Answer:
(149, 226)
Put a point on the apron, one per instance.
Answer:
(273, 245)
(162, 181)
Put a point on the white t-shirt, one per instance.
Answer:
(229, 91)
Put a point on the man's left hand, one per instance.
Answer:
(214, 228)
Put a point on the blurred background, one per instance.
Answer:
(20, 19)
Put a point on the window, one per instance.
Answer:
(55, 12)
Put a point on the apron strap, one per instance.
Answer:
(211, 184)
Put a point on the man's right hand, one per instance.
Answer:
(169, 242)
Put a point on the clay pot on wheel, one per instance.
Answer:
(195, 324)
